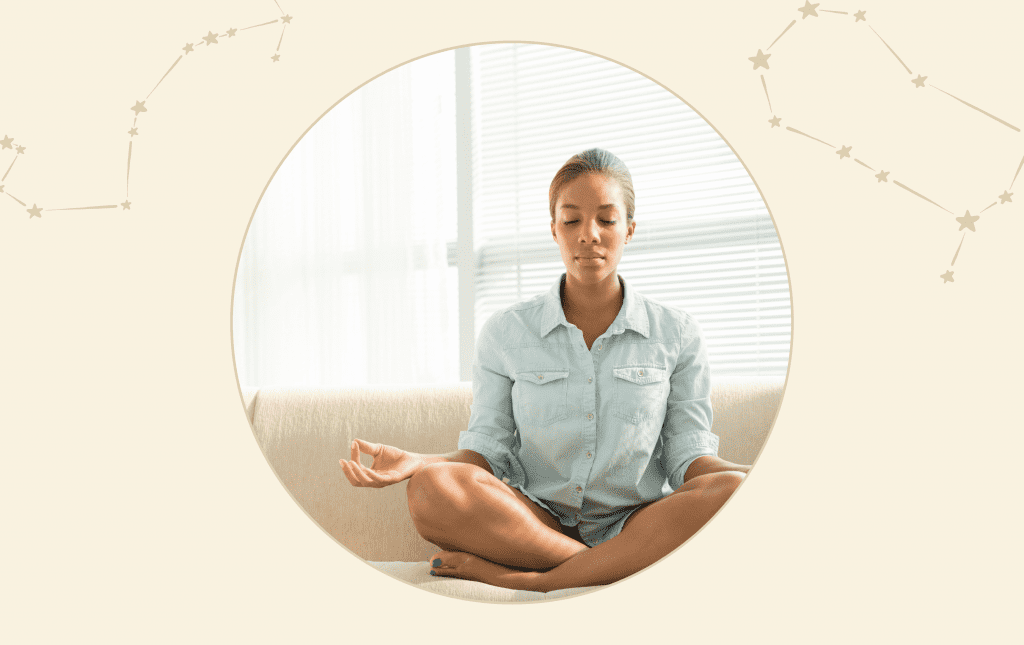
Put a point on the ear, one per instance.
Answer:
(629, 230)
(553, 230)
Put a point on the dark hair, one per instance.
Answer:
(599, 161)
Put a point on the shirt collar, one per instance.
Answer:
(632, 314)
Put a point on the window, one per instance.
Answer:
(417, 208)
(344, 278)
(704, 241)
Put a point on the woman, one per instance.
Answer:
(589, 453)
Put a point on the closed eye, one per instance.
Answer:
(604, 221)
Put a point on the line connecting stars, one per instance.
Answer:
(967, 221)
(140, 108)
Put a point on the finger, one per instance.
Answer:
(370, 476)
(349, 474)
(346, 467)
(368, 448)
(379, 479)
(355, 450)
(359, 473)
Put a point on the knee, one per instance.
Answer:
(439, 492)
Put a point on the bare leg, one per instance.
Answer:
(461, 507)
(649, 534)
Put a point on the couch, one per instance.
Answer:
(303, 432)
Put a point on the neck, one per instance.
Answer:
(592, 300)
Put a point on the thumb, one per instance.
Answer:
(367, 448)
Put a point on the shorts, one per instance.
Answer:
(594, 531)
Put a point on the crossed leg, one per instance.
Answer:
(461, 507)
(482, 525)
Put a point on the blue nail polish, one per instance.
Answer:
(436, 562)
(432, 573)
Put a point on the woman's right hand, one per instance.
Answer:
(390, 465)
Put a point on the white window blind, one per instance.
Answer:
(704, 241)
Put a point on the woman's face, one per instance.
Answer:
(590, 227)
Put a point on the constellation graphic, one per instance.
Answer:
(210, 39)
(967, 221)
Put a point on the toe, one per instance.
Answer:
(440, 561)
(447, 563)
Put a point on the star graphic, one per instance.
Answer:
(133, 131)
(919, 81)
(126, 205)
(1005, 197)
(6, 142)
(947, 277)
(775, 121)
(35, 211)
(967, 221)
(286, 18)
(275, 57)
(188, 49)
(140, 106)
(231, 32)
(761, 60)
(844, 151)
(860, 16)
(210, 38)
(21, 150)
(808, 9)
(882, 176)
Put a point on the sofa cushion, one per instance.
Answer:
(305, 431)
(418, 575)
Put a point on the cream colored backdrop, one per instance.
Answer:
(138, 508)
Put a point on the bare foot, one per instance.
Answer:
(456, 564)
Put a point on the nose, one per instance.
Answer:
(590, 232)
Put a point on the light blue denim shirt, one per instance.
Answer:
(591, 435)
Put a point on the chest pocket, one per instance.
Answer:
(541, 397)
(640, 393)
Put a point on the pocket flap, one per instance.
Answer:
(540, 377)
(640, 375)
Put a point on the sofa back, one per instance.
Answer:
(303, 432)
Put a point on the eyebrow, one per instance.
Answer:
(576, 208)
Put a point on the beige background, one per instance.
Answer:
(137, 506)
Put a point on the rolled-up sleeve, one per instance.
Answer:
(492, 429)
(687, 431)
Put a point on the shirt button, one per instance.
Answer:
(589, 455)
(590, 416)
(540, 376)
(504, 479)
(590, 380)
(641, 373)
(600, 347)
(579, 489)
